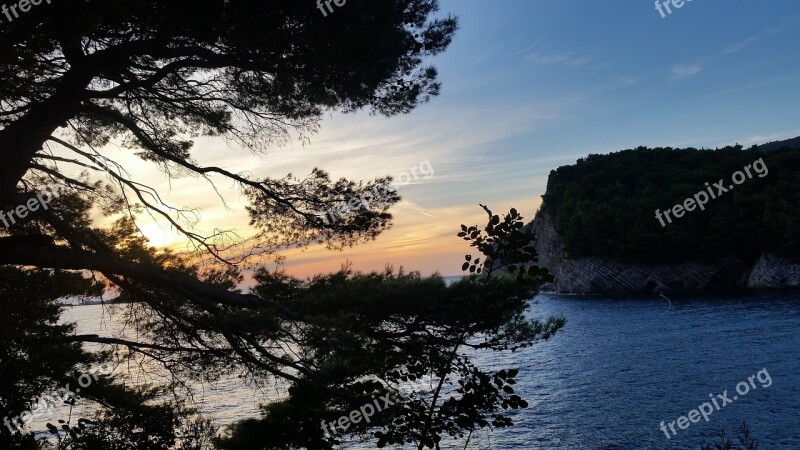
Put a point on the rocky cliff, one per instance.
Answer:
(593, 275)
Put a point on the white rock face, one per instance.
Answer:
(774, 272)
(594, 275)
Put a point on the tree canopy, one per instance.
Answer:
(153, 77)
(156, 75)
(604, 205)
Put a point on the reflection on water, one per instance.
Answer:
(619, 368)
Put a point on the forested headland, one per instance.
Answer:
(604, 205)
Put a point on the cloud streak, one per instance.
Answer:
(681, 71)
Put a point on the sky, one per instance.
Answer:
(528, 86)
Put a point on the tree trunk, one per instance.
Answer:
(20, 140)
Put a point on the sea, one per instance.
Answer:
(621, 371)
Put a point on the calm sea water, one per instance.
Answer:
(620, 367)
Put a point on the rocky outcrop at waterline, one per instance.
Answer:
(598, 275)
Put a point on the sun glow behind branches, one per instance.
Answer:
(159, 235)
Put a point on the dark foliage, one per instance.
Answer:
(34, 356)
(605, 205)
(371, 334)
(723, 443)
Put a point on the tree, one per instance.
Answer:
(158, 73)
(35, 356)
(40, 359)
(604, 206)
(372, 335)
(154, 76)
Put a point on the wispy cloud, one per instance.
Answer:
(758, 85)
(766, 138)
(771, 31)
(624, 81)
(566, 59)
(686, 70)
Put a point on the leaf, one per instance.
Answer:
(465, 266)
(468, 257)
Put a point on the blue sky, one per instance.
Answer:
(616, 74)
(530, 85)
